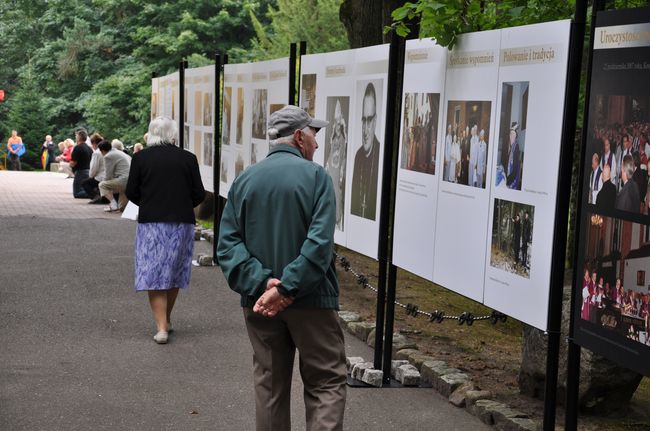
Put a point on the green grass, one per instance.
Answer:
(206, 224)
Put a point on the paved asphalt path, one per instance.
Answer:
(76, 348)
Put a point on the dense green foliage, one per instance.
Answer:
(70, 63)
(445, 19)
(314, 21)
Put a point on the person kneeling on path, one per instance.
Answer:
(166, 184)
(116, 171)
(275, 248)
(80, 164)
(96, 174)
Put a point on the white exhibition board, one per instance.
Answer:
(348, 88)
(167, 96)
(462, 215)
(510, 83)
(199, 117)
(420, 156)
(251, 92)
(532, 84)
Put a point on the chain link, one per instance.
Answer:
(414, 310)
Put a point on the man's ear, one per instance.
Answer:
(297, 137)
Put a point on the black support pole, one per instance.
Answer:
(292, 74)
(216, 165)
(384, 252)
(181, 97)
(302, 50)
(573, 349)
(556, 293)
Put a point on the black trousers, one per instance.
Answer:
(14, 163)
(91, 187)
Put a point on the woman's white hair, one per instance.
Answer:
(162, 130)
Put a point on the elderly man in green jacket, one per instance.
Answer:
(275, 248)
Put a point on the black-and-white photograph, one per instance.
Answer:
(614, 290)
(255, 148)
(419, 132)
(466, 142)
(336, 150)
(207, 149)
(186, 137)
(227, 115)
(308, 93)
(512, 237)
(239, 165)
(225, 162)
(512, 135)
(365, 174)
(207, 109)
(240, 115)
(259, 114)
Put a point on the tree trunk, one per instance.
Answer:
(364, 20)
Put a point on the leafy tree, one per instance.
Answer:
(445, 19)
(29, 117)
(314, 21)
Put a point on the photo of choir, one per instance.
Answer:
(336, 150)
(466, 142)
(613, 292)
(308, 93)
(227, 115)
(512, 135)
(619, 154)
(419, 132)
(512, 237)
(259, 114)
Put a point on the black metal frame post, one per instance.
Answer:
(573, 349)
(181, 97)
(216, 165)
(386, 290)
(292, 74)
(302, 50)
(556, 293)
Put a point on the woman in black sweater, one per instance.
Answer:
(164, 181)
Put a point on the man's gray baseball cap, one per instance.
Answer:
(289, 119)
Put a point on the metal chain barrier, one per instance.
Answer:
(413, 310)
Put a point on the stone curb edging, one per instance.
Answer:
(450, 382)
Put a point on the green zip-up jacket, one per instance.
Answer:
(279, 222)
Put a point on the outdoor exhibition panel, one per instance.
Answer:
(531, 92)
(610, 285)
(164, 96)
(251, 92)
(477, 178)
(348, 88)
(461, 219)
(199, 117)
(420, 160)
